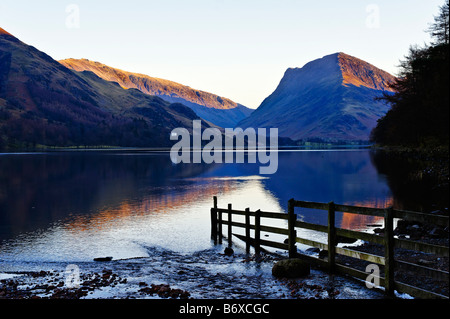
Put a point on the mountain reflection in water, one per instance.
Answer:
(83, 204)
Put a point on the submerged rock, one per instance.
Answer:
(290, 268)
(345, 240)
(103, 259)
(165, 291)
(313, 250)
(228, 251)
(323, 254)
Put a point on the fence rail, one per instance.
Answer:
(387, 240)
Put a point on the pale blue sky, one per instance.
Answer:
(238, 49)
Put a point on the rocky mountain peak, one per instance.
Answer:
(331, 98)
(4, 32)
(360, 73)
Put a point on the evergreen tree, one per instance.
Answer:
(419, 113)
(439, 29)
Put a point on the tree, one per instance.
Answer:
(439, 29)
(419, 113)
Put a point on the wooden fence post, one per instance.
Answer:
(257, 231)
(389, 252)
(247, 230)
(331, 237)
(291, 228)
(220, 227)
(229, 226)
(214, 221)
(387, 241)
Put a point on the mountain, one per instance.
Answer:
(331, 98)
(43, 102)
(213, 108)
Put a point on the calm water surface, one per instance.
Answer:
(74, 206)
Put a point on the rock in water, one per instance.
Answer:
(290, 268)
(323, 254)
(313, 250)
(228, 251)
(103, 259)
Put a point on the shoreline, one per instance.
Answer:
(419, 173)
(418, 232)
(205, 275)
(167, 149)
(212, 274)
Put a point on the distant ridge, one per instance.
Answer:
(44, 103)
(331, 98)
(218, 110)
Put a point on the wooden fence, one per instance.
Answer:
(387, 240)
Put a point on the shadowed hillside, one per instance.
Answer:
(44, 103)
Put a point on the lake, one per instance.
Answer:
(75, 206)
